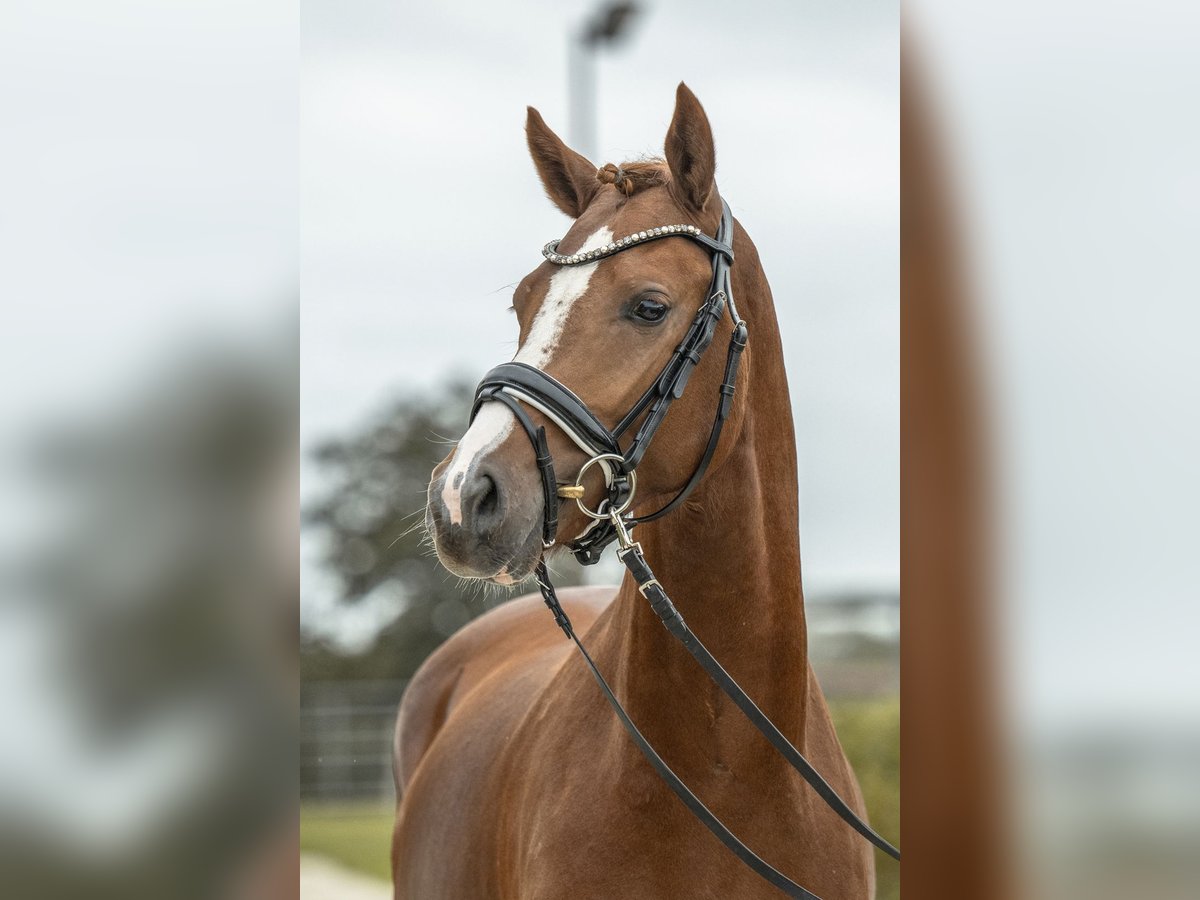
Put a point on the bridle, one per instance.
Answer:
(517, 385)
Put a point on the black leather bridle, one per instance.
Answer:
(517, 385)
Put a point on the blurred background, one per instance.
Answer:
(1072, 167)
(148, 351)
(413, 153)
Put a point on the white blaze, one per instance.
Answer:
(491, 426)
(495, 420)
(568, 285)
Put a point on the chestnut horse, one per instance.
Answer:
(515, 779)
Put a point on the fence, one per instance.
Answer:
(346, 740)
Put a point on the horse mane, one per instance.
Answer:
(631, 177)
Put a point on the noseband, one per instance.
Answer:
(517, 385)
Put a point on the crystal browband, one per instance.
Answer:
(650, 234)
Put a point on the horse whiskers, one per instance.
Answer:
(418, 523)
(478, 589)
(504, 287)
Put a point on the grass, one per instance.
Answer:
(359, 836)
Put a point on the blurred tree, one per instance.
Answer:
(371, 519)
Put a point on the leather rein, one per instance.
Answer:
(517, 385)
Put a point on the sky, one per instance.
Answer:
(413, 154)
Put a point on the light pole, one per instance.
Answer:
(607, 25)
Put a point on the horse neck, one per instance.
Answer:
(730, 560)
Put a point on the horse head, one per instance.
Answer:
(603, 325)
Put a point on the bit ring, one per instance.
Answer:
(592, 514)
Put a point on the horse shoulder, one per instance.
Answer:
(497, 642)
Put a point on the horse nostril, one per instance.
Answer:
(483, 504)
(488, 499)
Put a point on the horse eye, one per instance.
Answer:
(650, 310)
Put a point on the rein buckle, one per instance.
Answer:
(624, 539)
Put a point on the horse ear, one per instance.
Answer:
(569, 179)
(690, 152)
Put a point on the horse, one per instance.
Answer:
(514, 778)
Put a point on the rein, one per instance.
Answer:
(517, 385)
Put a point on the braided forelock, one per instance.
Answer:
(631, 177)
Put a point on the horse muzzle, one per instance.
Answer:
(485, 515)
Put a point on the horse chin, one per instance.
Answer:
(522, 565)
(516, 570)
(508, 578)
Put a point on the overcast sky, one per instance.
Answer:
(413, 153)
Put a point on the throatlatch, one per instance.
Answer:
(516, 384)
